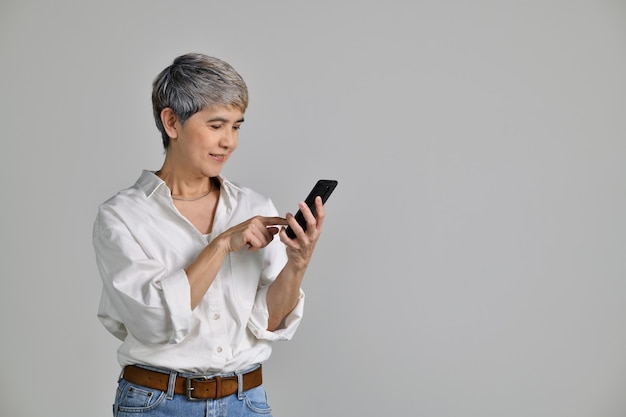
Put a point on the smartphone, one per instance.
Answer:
(323, 188)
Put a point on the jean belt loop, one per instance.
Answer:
(170, 385)
(240, 386)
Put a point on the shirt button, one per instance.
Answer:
(216, 316)
(219, 349)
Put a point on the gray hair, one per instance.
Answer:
(194, 82)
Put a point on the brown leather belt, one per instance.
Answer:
(194, 388)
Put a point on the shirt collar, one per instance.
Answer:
(150, 183)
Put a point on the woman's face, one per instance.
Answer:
(207, 139)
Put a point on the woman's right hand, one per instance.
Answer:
(256, 233)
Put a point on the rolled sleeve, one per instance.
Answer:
(260, 318)
(140, 295)
(177, 296)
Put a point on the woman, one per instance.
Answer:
(199, 275)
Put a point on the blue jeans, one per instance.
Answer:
(135, 400)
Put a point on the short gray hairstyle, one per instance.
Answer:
(195, 82)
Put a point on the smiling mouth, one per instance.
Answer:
(219, 158)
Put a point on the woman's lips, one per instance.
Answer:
(218, 158)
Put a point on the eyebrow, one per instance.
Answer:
(224, 120)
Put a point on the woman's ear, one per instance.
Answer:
(169, 119)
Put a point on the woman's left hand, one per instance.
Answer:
(300, 249)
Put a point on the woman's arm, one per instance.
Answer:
(284, 292)
(255, 233)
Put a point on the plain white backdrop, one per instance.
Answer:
(473, 260)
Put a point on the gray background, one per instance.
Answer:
(473, 258)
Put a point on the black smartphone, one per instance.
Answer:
(323, 188)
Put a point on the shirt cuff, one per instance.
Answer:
(260, 317)
(177, 295)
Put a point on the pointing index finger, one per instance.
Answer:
(274, 221)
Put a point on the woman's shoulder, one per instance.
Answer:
(252, 198)
(146, 186)
(242, 191)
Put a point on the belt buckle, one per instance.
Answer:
(189, 389)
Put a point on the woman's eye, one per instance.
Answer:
(236, 127)
(215, 126)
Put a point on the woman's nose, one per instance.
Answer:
(229, 138)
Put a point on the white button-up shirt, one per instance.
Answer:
(142, 245)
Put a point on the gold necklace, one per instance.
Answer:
(195, 198)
